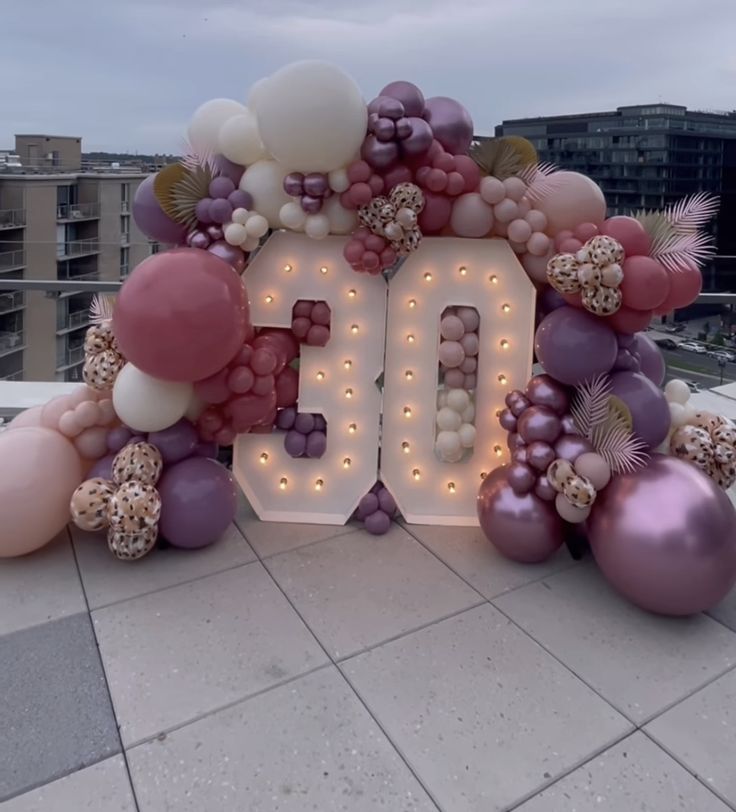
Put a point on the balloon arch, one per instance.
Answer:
(352, 300)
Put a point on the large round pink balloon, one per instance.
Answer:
(39, 471)
(665, 537)
(573, 199)
(26, 419)
(522, 527)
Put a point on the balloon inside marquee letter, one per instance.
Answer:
(348, 298)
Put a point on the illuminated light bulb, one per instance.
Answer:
(288, 268)
(352, 428)
(263, 458)
(463, 270)
(346, 462)
(323, 269)
(405, 447)
(318, 483)
(348, 393)
(416, 473)
(409, 375)
(493, 279)
(427, 277)
(504, 344)
(506, 308)
(354, 329)
(347, 363)
(497, 450)
(269, 299)
(352, 293)
(410, 338)
(451, 487)
(320, 376)
(483, 474)
(502, 379)
(283, 483)
(498, 412)
(412, 302)
(407, 411)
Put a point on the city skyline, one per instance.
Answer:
(141, 68)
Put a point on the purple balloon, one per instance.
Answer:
(202, 210)
(625, 340)
(304, 422)
(215, 232)
(451, 123)
(367, 505)
(514, 441)
(378, 523)
(384, 129)
(295, 443)
(540, 455)
(294, 184)
(198, 502)
(543, 390)
(209, 450)
(315, 184)
(403, 128)
(117, 438)
(507, 420)
(286, 417)
(523, 528)
(408, 94)
(665, 537)
(199, 240)
(568, 424)
(221, 210)
(228, 169)
(220, 187)
(240, 199)
(544, 490)
(651, 361)
(320, 424)
(539, 423)
(625, 361)
(311, 205)
(379, 154)
(520, 455)
(386, 502)
(388, 107)
(549, 299)
(316, 444)
(520, 477)
(574, 346)
(232, 254)
(571, 446)
(420, 139)
(102, 468)
(151, 218)
(650, 412)
(176, 442)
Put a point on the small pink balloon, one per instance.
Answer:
(436, 180)
(88, 414)
(586, 231)
(240, 380)
(537, 220)
(455, 184)
(81, 394)
(515, 188)
(500, 229)
(492, 190)
(302, 308)
(524, 207)
(353, 251)
(318, 335)
(536, 266)
(214, 389)
(321, 313)
(506, 211)
(570, 246)
(26, 419)
(469, 382)
(451, 354)
(54, 409)
(454, 378)
(471, 216)
(469, 317)
(538, 244)
(469, 365)
(436, 213)
(92, 443)
(595, 468)
(69, 425)
(470, 344)
(519, 231)
(107, 412)
(569, 512)
(452, 329)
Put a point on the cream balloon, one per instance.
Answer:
(342, 220)
(240, 141)
(572, 199)
(311, 116)
(256, 93)
(208, 118)
(677, 391)
(147, 404)
(264, 181)
(317, 226)
(293, 216)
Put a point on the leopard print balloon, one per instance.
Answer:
(133, 507)
(372, 215)
(90, 504)
(99, 337)
(409, 242)
(139, 462)
(589, 275)
(694, 444)
(707, 421)
(101, 370)
(612, 275)
(579, 491)
(560, 473)
(724, 475)
(562, 273)
(602, 250)
(131, 546)
(407, 196)
(602, 301)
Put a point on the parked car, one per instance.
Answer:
(692, 346)
(721, 355)
(694, 387)
(666, 343)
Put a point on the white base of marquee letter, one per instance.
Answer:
(337, 381)
(442, 272)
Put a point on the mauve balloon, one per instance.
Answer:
(232, 254)
(544, 490)
(379, 154)
(176, 442)
(228, 168)
(539, 423)
(523, 528)
(520, 455)
(650, 412)
(102, 468)
(315, 184)
(507, 420)
(514, 441)
(540, 455)
(420, 139)
(408, 94)
(568, 424)
(150, 217)
(543, 390)
(294, 184)
(390, 108)
(520, 477)
(451, 123)
(403, 128)
(571, 446)
(384, 129)
(665, 537)
(651, 361)
(311, 205)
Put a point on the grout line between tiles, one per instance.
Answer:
(687, 768)
(718, 620)
(104, 672)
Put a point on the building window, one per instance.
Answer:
(124, 262)
(125, 228)
(124, 197)
(155, 247)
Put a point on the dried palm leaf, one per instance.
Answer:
(184, 194)
(163, 187)
(524, 148)
(541, 181)
(614, 440)
(503, 157)
(101, 308)
(589, 407)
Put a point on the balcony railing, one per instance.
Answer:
(10, 342)
(69, 357)
(14, 300)
(125, 207)
(71, 321)
(78, 248)
(13, 376)
(77, 211)
(12, 218)
(12, 260)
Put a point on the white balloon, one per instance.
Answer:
(448, 444)
(569, 512)
(293, 216)
(317, 226)
(690, 412)
(250, 244)
(677, 392)
(145, 403)
(195, 408)
(257, 91)
(678, 415)
(469, 414)
(264, 181)
(240, 141)
(257, 225)
(240, 216)
(235, 233)
(338, 180)
(448, 419)
(467, 435)
(342, 220)
(208, 118)
(458, 399)
(311, 116)
(441, 399)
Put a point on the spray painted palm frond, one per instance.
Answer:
(197, 159)
(541, 181)
(692, 212)
(187, 191)
(677, 251)
(101, 308)
(589, 407)
(614, 440)
(497, 157)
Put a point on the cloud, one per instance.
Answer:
(128, 75)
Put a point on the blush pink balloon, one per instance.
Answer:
(630, 233)
(88, 414)
(91, 444)
(536, 266)
(69, 424)
(471, 216)
(627, 320)
(39, 472)
(53, 410)
(573, 199)
(685, 286)
(436, 213)
(646, 283)
(26, 419)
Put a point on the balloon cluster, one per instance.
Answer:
(459, 345)
(102, 358)
(376, 510)
(395, 129)
(577, 484)
(128, 506)
(311, 190)
(220, 204)
(455, 429)
(246, 229)
(310, 322)
(306, 434)
(369, 253)
(363, 185)
(395, 217)
(706, 440)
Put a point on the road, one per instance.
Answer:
(699, 368)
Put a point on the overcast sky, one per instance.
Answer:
(127, 74)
